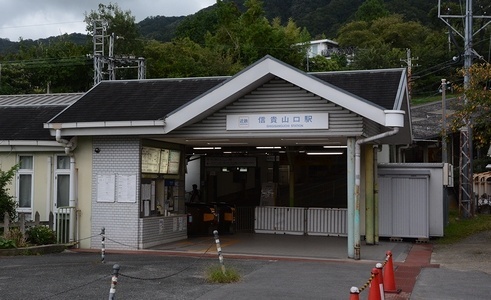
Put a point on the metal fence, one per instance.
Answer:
(301, 221)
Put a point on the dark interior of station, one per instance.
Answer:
(318, 180)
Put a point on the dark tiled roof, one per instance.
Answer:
(22, 116)
(135, 100)
(377, 86)
(427, 119)
(153, 99)
(26, 122)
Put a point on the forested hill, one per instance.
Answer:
(319, 17)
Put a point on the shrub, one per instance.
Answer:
(215, 275)
(17, 237)
(6, 244)
(40, 235)
(7, 202)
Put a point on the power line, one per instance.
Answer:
(37, 25)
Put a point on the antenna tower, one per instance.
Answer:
(466, 195)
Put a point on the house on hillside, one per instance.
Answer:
(324, 47)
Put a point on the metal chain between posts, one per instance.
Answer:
(169, 275)
(387, 257)
(368, 283)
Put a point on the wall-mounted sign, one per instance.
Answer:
(278, 121)
(150, 160)
(174, 159)
(163, 161)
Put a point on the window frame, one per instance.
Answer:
(63, 172)
(25, 172)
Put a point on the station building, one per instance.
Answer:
(273, 141)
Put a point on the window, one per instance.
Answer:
(62, 181)
(25, 183)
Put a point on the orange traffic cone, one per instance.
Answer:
(388, 277)
(354, 293)
(374, 292)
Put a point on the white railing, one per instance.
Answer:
(301, 220)
(62, 224)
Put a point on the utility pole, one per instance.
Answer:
(444, 122)
(409, 63)
(466, 195)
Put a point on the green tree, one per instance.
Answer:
(196, 26)
(14, 79)
(185, 58)
(58, 64)
(476, 105)
(371, 10)
(121, 24)
(7, 202)
(382, 43)
(321, 63)
(249, 36)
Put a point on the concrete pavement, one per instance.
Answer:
(297, 268)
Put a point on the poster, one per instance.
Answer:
(106, 185)
(126, 188)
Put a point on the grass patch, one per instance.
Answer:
(423, 99)
(215, 274)
(459, 228)
(418, 100)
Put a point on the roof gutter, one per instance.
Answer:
(395, 120)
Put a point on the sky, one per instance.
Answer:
(34, 19)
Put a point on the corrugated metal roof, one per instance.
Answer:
(39, 99)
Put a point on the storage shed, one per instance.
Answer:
(411, 200)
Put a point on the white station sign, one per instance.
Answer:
(278, 121)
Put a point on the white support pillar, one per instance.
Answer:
(351, 195)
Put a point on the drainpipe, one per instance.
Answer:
(401, 156)
(69, 147)
(376, 149)
(369, 197)
(394, 119)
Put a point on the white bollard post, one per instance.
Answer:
(114, 282)
(219, 250)
(103, 246)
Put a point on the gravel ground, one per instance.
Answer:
(470, 254)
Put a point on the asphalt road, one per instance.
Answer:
(149, 276)
(464, 273)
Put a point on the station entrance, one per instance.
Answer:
(290, 177)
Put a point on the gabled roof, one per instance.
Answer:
(268, 68)
(158, 106)
(22, 116)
